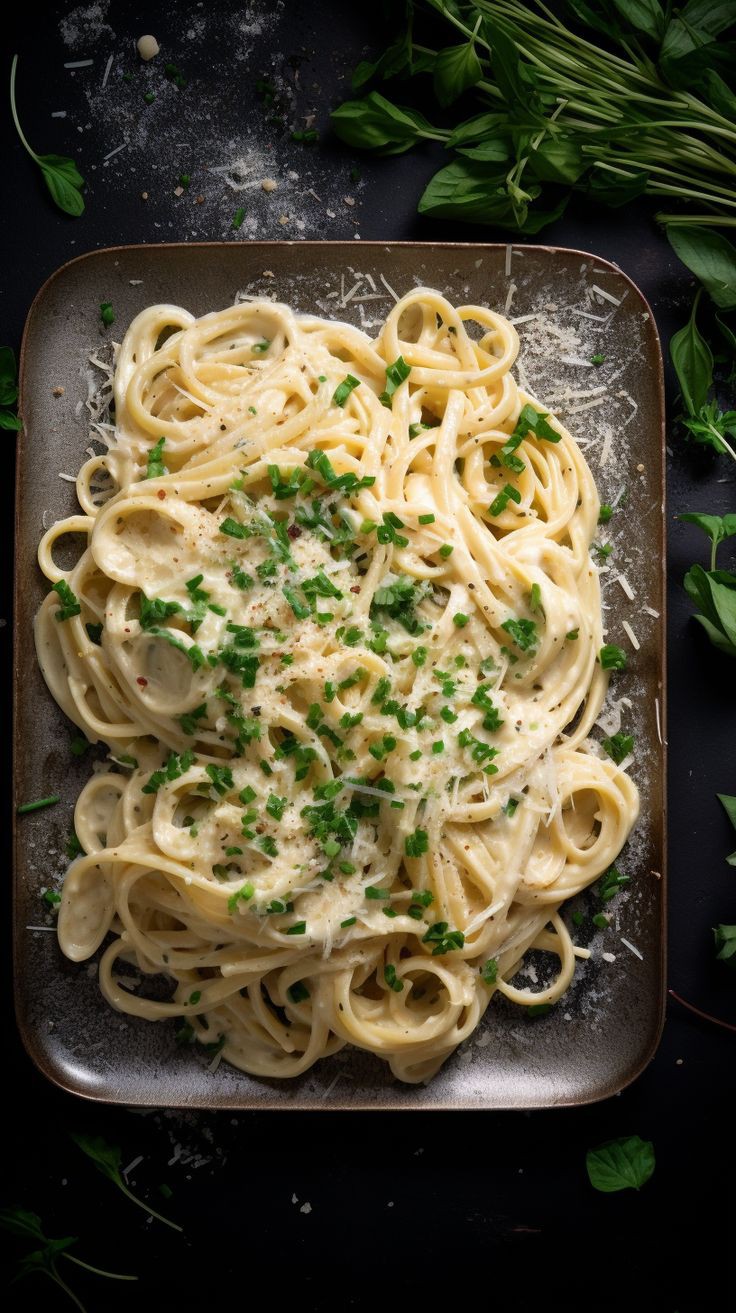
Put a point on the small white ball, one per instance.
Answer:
(148, 47)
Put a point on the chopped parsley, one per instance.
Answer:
(391, 978)
(175, 767)
(618, 746)
(343, 390)
(502, 499)
(243, 895)
(612, 657)
(155, 467)
(489, 971)
(416, 844)
(443, 939)
(396, 374)
(523, 632)
(69, 602)
(535, 422)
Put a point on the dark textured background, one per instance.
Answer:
(400, 1206)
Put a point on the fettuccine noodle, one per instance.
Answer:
(338, 626)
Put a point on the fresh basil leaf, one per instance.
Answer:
(711, 426)
(20, 1222)
(644, 15)
(470, 191)
(727, 332)
(615, 188)
(9, 421)
(710, 257)
(395, 60)
(729, 804)
(456, 68)
(702, 72)
(8, 368)
(696, 25)
(725, 936)
(106, 1157)
(507, 67)
(717, 527)
(623, 1164)
(693, 361)
(590, 18)
(374, 123)
(8, 392)
(557, 159)
(476, 129)
(491, 151)
(715, 593)
(64, 181)
(717, 92)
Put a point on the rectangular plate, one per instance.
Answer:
(607, 1027)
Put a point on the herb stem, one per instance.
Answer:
(54, 1275)
(706, 1016)
(147, 1208)
(98, 1271)
(14, 111)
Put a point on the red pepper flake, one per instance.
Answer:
(294, 531)
(161, 494)
(355, 588)
(143, 682)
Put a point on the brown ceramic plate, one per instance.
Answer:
(607, 1027)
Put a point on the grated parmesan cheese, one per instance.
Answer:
(631, 635)
(632, 949)
(623, 581)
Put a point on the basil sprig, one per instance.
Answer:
(61, 175)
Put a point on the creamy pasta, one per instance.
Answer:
(338, 627)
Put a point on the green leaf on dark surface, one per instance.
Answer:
(64, 181)
(725, 937)
(623, 1164)
(727, 332)
(645, 16)
(61, 175)
(695, 25)
(374, 123)
(717, 527)
(729, 805)
(710, 257)
(507, 67)
(456, 68)
(396, 59)
(476, 128)
(693, 361)
(617, 188)
(107, 1159)
(712, 427)
(715, 593)
(472, 192)
(557, 159)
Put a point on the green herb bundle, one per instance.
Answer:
(639, 104)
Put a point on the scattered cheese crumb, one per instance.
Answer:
(283, 219)
(631, 635)
(633, 949)
(608, 957)
(305, 1208)
(57, 392)
(269, 184)
(178, 191)
(147, 47)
